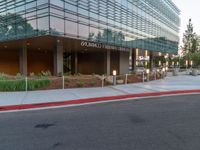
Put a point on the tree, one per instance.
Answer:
(190, 40)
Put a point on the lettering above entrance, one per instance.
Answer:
(103, 46)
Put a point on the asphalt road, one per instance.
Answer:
(169, 123)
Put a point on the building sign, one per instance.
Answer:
(102, 46)
(143, 58)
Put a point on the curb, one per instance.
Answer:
(93, 100)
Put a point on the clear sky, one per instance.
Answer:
(189, 9)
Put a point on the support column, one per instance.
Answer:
(151, 60)
(23, 59)
(76, 62)
(131, 60)
(107, 59)
(134, 59)
(58, 58)
(124, 62)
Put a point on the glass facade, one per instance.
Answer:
(145, 24)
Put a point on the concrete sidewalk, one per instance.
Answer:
(172, 83)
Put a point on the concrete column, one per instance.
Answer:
(131, 60)
(76, 62)
(58, 58)
(134, 59)
(23, 59)
(107, 62)
(124, 65)
(151, 58)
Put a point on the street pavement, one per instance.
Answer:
(167, 123)
(170, 83)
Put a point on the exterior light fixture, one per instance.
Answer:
(114, 72)
(166, 68)
(158, 70)
(146, 63)
(159, 63)
(147, 71)
(191, 62)
(167, 63)
(186, 62)
(146, 53)
(163, 69)
(136, 63)
(137, 52)
(114, 77)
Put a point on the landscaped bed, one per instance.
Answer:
(44, 81)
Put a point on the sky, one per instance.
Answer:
(189, 9)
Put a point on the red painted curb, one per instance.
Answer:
(90, 100)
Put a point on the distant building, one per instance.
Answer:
(85, 36)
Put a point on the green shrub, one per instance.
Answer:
(3, 76)
(44, 74)
(80, 84)
(67, 80)
(19, 76)
(92, 83)
(32, 74)
(38, 83)
(19, 85)
(12, 85)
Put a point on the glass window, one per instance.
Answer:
(71, 28)
(41, 2)
(59, 3)
(31, 27)
(57, 25)
(83, 31)
(43, 25)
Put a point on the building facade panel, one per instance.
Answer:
(144, 24)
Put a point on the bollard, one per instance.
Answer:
(114, 77)
(143, 76)
(63, 82)
(26, 84)
(114, 80)
(103, 78)
(126, 80)
(147, 77)
(155, 75)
